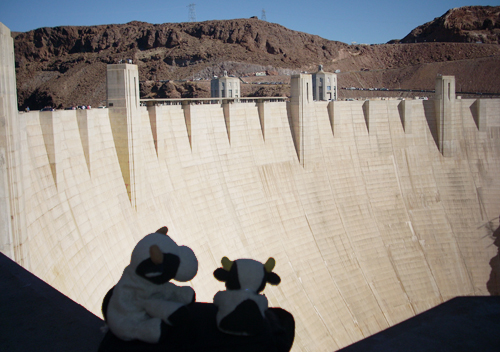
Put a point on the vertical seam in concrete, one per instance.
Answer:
(316, 309)
(413, 232)
(434, 283)
(369, 205)
(362, 271)
(454, 236)
(353, 316)
(396, 175)
(475, 187)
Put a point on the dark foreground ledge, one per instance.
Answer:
(461, 324)
(36, 317)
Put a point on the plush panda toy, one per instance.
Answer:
(241, 309)
(144, 304)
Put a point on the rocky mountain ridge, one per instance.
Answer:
(469, 24)
(64, 66)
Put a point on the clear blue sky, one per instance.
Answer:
(361, 21)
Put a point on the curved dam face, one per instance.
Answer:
(374, 211)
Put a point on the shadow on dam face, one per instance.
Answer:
(430, 117)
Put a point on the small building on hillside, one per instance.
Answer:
(225, 87)
(324, 85)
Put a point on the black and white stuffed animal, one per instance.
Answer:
(241, 309)
(143, 304)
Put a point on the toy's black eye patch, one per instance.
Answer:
(161, 273)
(273, 278)
(221, 274)
(229, 277)
(233, 282)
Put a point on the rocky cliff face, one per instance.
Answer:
(178, 44)
(469, 24)
(66, 66)
(64, 62)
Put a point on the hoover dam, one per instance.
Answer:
(375, 211)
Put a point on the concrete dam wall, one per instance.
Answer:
(374, 211)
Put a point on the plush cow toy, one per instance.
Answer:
(241, 309)
(144, 304)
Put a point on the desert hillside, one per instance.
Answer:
(468, 24)
(66, 66)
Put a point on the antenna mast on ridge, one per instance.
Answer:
(263, 16)
(192, 12)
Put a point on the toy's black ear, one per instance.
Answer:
(163, 230)
(273, 278)
(221, 274)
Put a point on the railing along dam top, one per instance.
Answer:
(185, 101)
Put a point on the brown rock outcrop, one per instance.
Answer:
(469, 24)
